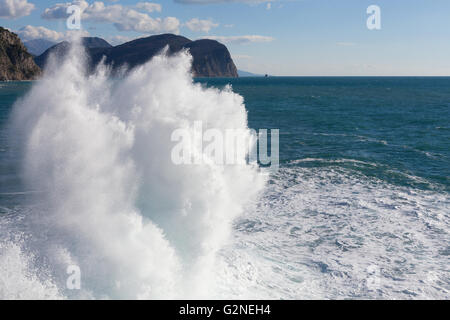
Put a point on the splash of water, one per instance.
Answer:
(111, 201)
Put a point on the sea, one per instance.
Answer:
(359, 207)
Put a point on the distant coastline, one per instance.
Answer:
(210, 57)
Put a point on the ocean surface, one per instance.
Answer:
(359, 208)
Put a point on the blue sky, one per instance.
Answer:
(291, 37)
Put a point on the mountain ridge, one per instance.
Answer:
(246, 74)
(210, 57)
(38, 46)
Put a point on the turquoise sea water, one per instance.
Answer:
(360, 207)
(396, 129)
(10, 181)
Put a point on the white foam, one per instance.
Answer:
(112, 202)
(18, 278)
(317, 232)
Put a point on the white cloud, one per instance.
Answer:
(241, 39)
(198, 25)
(149, 6)
(59, 10)
(31, 32)
(11, 9)
(124, 18)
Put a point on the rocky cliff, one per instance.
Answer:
(210, 58)
(15, 61)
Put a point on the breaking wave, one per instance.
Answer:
(108, 197)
